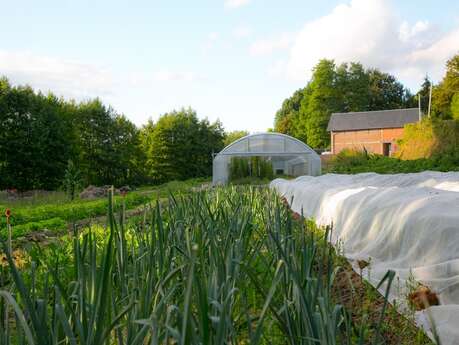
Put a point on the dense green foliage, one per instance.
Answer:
(180, 146)
(108, 149)
(257, 167)
(233, 136)
(41, 134)
(35, 140)
(226, 266)
(354, 162)
(445, 95)
(430, 138)
(343, 88)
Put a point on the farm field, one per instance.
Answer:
(55, 214)
(228, 265)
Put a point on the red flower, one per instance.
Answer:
(8, 213)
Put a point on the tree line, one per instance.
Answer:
(350, 87)
(45, 138)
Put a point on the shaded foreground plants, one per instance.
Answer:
(224, 266)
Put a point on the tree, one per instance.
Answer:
(386, 92)
(344, 88)
(445, 92)
(287, 118)
(108, 145)
(455, 106)
(233, 136)
(322, 101)
(34, 145)
(424, 94)
(353, 86)
(179, 146)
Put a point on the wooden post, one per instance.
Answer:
(8, 228)
(419, 107)
(430, 100)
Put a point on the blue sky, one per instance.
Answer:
(235, 60)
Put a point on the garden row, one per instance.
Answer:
(222, 266)
(57, 215)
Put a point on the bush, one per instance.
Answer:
(430, 138)
(353, 162)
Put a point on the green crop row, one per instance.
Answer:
(225, 266)
(56, 216)
(53, 224)
(72, 211)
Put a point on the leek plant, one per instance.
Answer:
(224, 266)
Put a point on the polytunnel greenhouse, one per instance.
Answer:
(288, 156)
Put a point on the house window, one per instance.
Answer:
(279, 171)
(387, 149)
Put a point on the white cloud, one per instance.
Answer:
(213, 36)
(80, 81)
(236, 3)
(270, 45)
(408, 32)
(242, 32)
(212, 39)
(64, 77)
(369, 31)
(170, 76)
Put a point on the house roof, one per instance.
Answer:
(396, 118)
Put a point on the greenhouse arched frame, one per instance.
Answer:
(289, 156)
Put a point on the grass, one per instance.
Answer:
(257, 181)
(34, 198)
(224, 266)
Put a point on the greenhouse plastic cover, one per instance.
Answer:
(408, 223)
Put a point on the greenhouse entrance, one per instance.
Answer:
(265, 154)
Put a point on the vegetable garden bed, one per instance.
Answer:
(224, 266)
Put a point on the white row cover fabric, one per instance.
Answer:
(408, 223)
(287, 154)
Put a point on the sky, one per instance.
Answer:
(232, 60)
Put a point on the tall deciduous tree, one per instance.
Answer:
(424, 94)
(180, 146)
(323, 99)
(34, 147)
(287, 118)
(233, 136)
(344, 88)
(108, 145)
(445, 94)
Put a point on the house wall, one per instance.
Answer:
(370, 139)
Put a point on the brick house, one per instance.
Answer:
(376, 131)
